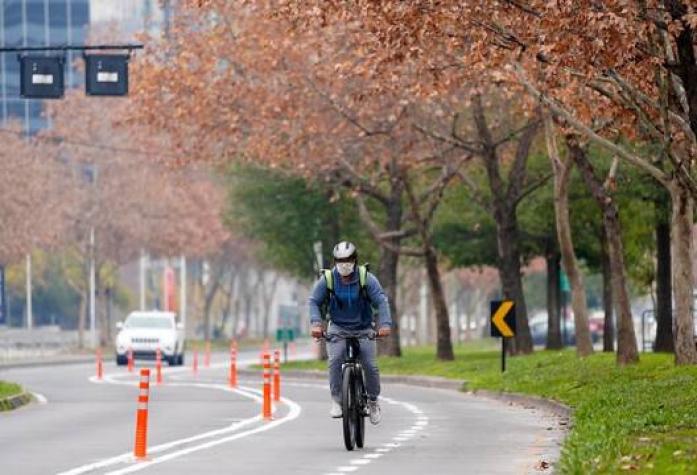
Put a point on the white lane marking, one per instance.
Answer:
(403, 436)
(293, 413)
(125, 457)
(40, 398)
(250, 393)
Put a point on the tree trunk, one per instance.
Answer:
(387, 270)
(553, 311)
(681, 237)
(444, 346)
(562, 175)
(608, 323)
(208, 303)
(511, 276)
(664, 299)
(627, 352)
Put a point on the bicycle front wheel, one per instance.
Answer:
(360, 402)
(348, 403)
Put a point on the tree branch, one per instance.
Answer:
(561, 112)
(377, 233)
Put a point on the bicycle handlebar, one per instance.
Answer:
(373, 336)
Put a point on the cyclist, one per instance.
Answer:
(349, 302)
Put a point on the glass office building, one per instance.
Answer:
(37, 23)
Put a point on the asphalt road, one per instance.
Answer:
(198, 425)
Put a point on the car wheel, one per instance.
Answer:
(121, 360)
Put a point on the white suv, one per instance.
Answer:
(145, 332)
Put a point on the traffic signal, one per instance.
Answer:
(106, 74)
(41, 77)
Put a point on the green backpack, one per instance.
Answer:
(328, 275)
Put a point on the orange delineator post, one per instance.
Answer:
(233, 366)
(276, 375)
(195, 365)
(100, 370)
(141, 443)
(130, 360)
(266, 406)
(158, 365)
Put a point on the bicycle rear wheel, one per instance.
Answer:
(348, 403)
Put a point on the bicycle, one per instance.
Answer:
(354, 399)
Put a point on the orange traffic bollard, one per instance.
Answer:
(158, 365)
(130, 360)
(195, 365)
(100, 370)
(276, 375)
(266, 406)
(140, 449)
(207, 359)
(233, 366)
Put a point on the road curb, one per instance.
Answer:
(549, 405)
(413, 380)
(14, 402)
(52, 362)
(528, 401)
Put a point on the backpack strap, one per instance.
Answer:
(329, 279)
(328, 275)
(363, 282)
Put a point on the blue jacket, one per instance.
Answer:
(354, 312)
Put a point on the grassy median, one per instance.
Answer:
(9, 389)
(641, 418)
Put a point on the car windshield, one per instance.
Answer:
(141, 321)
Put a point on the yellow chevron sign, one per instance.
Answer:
(503, 318)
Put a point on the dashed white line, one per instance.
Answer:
(373, 456)
(403, 436)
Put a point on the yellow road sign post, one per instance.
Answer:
(503, 324)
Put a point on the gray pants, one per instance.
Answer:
(336, 349)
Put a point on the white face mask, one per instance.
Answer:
(345, 268)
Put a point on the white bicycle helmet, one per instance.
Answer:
(345, 250)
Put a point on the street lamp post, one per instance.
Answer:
(30, 316)
(182, 291)
(93, 291)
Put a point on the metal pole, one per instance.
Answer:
(142, 279)
(30, 316)
(93, 291)
(182, 291)
(422, 337)
(503, 354)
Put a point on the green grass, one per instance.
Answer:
(641, 418)
(9, 389)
